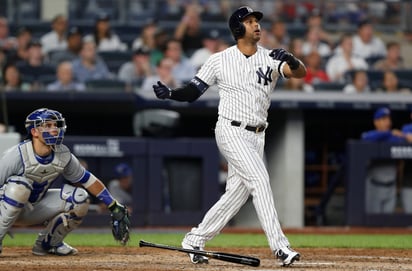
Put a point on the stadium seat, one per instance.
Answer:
(105, 85)
(329, 86)
(115, 59)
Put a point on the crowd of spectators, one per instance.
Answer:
(67, 57)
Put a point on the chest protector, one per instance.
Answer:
(41, 173)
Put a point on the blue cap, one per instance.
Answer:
(123, 170)
(381, 112)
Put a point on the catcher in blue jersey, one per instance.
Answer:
(27, 171)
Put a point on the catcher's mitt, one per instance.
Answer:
(120, 223)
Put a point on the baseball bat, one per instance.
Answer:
(227, 257)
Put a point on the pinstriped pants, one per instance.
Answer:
(247, 175)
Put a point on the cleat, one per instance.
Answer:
(287, 256)
(40, 249)
(195, 258)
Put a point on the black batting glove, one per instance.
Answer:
(162, 91)
(283, 55)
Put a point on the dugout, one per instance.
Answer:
(174, 181)
(360, 154)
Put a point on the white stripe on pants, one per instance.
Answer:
(247, 176)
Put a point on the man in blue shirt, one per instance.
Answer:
(406, 190)
(382, 174)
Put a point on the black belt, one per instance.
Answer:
(256, 129)
(379, 183)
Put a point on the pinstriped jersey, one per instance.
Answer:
(244, 83)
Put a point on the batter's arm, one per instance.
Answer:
(188, 93)
(293, 67)
(300, 72)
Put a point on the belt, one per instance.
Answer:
(379, 183)
(256, 129)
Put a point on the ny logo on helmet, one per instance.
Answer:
(267, 76)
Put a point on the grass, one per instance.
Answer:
(398, 241)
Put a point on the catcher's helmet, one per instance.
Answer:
(235, 21)
(43, 115)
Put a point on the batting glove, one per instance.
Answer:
(162, 91)
(283, 55)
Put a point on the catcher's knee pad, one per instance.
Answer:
(77, 200)
(13, 196)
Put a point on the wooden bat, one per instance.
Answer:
(227, 257)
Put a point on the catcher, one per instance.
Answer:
(27, 171)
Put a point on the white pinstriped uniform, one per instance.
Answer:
(244, 97)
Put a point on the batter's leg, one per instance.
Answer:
(244, 150)
(221, 212)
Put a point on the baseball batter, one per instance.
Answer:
(245, 74)
(28, 170)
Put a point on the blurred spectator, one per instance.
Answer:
(266, 39)
(365, 43)
(12, 79)
(56, 38)
(89, 65)
(164, 74)
(359, 84)
(161, 38)
(280, 35)
(188, 31)
(390, 84)
(21, 52)
(121, 186)
(138, 68)
(210, 46)
(297, 84)
(382, 173)
(103, 36)
(315, 19)
(34, 68)
(146, 40)
(183, 70)
(74, 45)
(295, 47)
(314, 43)
(342, 62)
(6, 41)
(314, 71)
(393, 59)
(65, 81)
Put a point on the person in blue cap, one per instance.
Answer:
(383, 131)
(121, 186)
(406, 190)
(382, 174)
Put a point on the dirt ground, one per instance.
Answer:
(153, 259)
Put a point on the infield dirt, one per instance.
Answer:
(151, 259)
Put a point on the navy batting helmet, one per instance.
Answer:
(43, 115)
(235, 22)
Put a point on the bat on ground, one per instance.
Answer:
(227, 257)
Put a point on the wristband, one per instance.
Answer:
(293, 63)
(106, 197)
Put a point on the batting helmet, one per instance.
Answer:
(235, 22)
(43, 115)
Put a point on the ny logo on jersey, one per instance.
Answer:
(267, 76)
